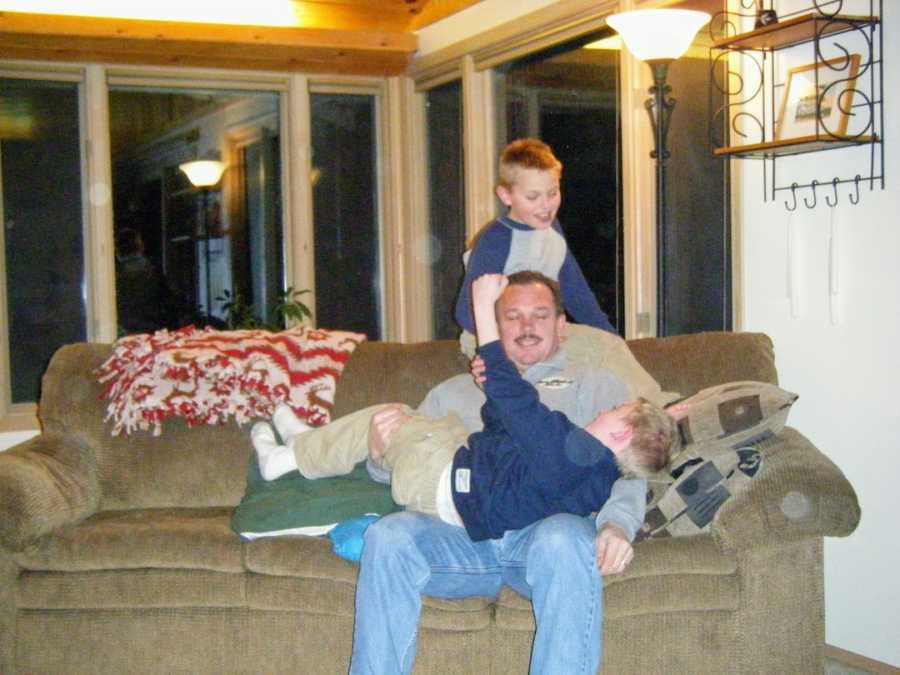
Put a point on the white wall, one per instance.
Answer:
(845, 373)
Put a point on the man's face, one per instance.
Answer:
(529, 326)
(533, 199)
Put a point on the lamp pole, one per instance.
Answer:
(204, 205)
(658, 37)
(659, 107)
(204, 174)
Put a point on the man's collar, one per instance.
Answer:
(556, 363)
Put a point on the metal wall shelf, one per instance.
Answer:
(748, 72)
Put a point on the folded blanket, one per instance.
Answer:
(207, 376)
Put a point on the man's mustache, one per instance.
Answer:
(527, 339)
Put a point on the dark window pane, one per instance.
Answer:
(447, 203)
(345, 204)
(194, 254)
(40, 163)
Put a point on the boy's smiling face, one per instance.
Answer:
(534, 197)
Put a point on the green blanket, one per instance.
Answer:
(294, 504)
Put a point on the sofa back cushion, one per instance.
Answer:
(199, 466)
(206, 466)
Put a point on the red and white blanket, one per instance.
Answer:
(207, 376)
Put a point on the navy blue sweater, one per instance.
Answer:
(528, 463)
(492, 252)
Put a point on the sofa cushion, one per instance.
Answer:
(302, 573)
(142, 538)
(732, 414)
(130, 589)
(586, 344)
(666, 576)
(293, 504)
(702, 485)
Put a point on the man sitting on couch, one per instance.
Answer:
(556, 562)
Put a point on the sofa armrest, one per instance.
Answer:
(798, 494)
(45, 483)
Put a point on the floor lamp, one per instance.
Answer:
(658, 37)
(204, 174)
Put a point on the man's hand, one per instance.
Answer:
(678, 410)
(382, 428)
(477, 368)
(614, 551)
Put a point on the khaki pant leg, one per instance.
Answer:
(337, 447)
(417, 456)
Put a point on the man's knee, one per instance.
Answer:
(563, 536)
(392, 535)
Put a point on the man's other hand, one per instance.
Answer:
(614, 551)
(382, 428)
(477, 368)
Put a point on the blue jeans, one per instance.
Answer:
(551, 562)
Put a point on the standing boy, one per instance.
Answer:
(529, 236)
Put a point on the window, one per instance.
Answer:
(446, 203)
(345, 205)
(196, 255)
(43, 236)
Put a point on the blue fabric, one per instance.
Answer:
(517, 470)
(347, 537)
(409, 554)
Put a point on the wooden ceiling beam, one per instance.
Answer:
(51, 37)
(435, 10)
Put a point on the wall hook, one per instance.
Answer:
(856, 183)
(794, 195)
(834, 184)
(814, 199)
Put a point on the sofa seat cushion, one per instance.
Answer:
(143, 538)
(297, 573)
(681, 574)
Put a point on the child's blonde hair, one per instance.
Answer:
(526, 153)
(654, 439)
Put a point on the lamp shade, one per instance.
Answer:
(203, 172)
(656, 34)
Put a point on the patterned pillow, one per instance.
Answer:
(701, 486)
(726, 416)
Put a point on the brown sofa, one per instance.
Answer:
(116, 554)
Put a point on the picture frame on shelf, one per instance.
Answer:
(818, 98)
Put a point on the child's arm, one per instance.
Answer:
(487, 256)
(578, 298)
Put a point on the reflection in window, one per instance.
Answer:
(42, 236)
(187, 254)
(568, 97)
(345, 205)
(446, 203)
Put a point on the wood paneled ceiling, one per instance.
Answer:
(371, 37)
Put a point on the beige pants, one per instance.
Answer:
(416, 457)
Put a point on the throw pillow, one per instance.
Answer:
(728, 415)
(293, 504)
(701, 486)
